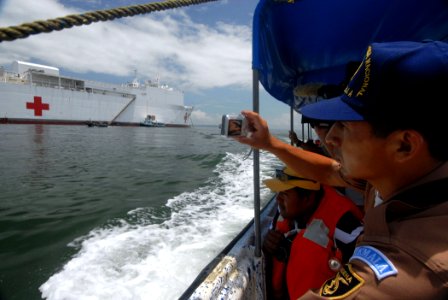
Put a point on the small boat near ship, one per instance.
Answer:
(150, 121)
(97, 124)
(38, 94)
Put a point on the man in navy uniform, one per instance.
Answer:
(389, 130)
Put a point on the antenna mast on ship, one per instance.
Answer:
(158, 80)
(135, 82)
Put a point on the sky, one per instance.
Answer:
(205, 50)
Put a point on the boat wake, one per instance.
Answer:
(156, 254)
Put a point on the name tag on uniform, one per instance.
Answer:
(376, 260)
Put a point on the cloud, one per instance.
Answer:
(201, 117)
(283, 120)
(167, 44)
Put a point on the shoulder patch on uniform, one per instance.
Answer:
(342, 285)
(376, 260)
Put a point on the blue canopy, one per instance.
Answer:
(303, 45)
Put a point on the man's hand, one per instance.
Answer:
(272, 242)
(259, 137)
(277, 245)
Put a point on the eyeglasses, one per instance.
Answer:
(282, 176)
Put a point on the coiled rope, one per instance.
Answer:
(26, 29)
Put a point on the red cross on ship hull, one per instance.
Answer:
(38, 106)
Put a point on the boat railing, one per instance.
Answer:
(102, 85)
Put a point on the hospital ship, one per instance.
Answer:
(37, 94)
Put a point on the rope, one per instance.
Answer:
(26, 29)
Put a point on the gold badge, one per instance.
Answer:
(343, 284)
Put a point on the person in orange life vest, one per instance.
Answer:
(313, 233)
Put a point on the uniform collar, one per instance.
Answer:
(411, 202)
(438, 173)
(428, 192)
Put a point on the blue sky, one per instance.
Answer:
(204, 50)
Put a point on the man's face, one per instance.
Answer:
(291, 204)
(361, 154)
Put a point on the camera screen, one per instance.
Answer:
(235, 127)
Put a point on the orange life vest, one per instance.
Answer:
(313, 247)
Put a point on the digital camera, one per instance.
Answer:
(234, 125)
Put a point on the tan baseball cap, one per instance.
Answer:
(287, 178)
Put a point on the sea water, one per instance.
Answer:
(118, 212)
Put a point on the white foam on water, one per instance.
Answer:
(159, 261)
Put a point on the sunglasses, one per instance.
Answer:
(282, 176)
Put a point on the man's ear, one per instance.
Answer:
(408, 143)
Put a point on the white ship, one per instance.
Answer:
(37, 94)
